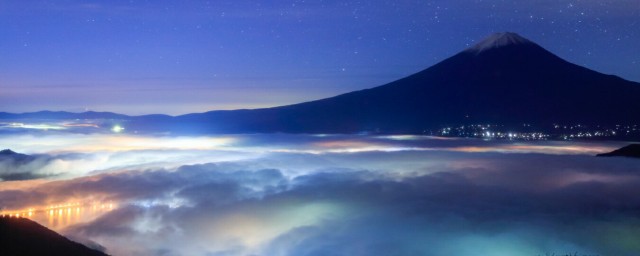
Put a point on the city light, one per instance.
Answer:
(117, 128)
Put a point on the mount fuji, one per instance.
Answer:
(505, 79)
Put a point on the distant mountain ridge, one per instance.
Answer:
(69, 115)
(505, 79)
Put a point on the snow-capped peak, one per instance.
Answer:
(498, 40)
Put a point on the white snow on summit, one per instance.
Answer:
(498, 40)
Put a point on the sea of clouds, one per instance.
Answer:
(331, 195)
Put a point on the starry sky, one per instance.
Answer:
(176, 57)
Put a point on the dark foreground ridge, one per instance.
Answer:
(21, 236)
(632, 150)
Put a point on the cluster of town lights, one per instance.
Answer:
(58, 209)
(527, 132)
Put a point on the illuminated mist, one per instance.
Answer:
(321, 194)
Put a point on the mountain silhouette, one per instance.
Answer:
(20, 236)
(17, 166)
(632, 150)
(504, 79)
(8, 152)
(63, 115)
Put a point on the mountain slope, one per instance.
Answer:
(503, 79)
(632, 150)
(20, 236)
(12, 163)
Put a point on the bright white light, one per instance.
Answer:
(117, 128)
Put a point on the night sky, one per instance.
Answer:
(176, 57)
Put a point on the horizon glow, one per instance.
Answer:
(138, 57)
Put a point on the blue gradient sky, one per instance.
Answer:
(174, 57)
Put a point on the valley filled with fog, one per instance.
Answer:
(276, 194)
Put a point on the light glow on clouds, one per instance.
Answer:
(318, 195)
(44, 127)
(88, 143)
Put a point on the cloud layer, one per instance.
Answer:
(309, 195)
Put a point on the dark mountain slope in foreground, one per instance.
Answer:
(632, 150)
(504, 79)
(20, 236)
